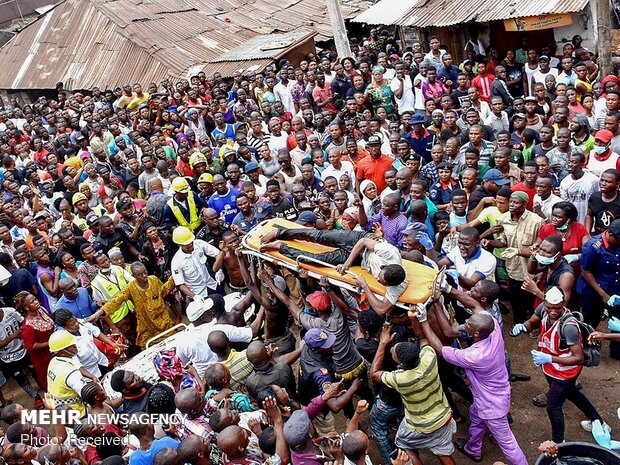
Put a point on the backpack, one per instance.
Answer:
(591, 351)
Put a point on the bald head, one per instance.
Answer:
(232, 441)
(218, 342)
(156, 185)
(188, 401)
(483, 323)
(257, 354)
(355, 445)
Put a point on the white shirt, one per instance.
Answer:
(382, 255)
(283, 93)
(482, 263)
(540, 76)
(276, 143)
(290, 180)
(194, 347)
(75, 380)
(407, 101)
(578, 192)
(191, 269)
(89, 355)
(419, 96)
(11, 322)
(346, 168)
(546, 205)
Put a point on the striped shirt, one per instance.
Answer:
(239, 367)
(426, 407)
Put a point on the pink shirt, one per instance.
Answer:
(484, 363)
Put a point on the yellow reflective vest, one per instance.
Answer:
(58, 371)
(194, 220)
(108, 289)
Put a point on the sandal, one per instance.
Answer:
(460, 445)
(540, 400)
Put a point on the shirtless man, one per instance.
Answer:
(277, 331)
(229, 244)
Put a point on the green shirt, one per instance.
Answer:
(426, 406)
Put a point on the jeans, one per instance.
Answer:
(502, 433)
(344, 241)
(559, 392)
(381, 415)
(522, 301)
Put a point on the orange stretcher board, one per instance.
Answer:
(421, 278)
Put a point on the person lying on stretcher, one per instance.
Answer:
(378, 257)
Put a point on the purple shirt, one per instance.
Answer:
(485, 365)
(391, 227)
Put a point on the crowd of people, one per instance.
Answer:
(123, 210)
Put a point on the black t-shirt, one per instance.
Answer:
(540, 150)
(367, 347)
(284, 209)
(117, 239)
(74, 250)
(604, 212)
(477, 195)
(458, 97)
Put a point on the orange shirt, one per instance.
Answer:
(374, 170)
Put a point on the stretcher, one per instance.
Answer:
(421, 278)
(142, 363)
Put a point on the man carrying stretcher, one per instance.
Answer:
(378, 257)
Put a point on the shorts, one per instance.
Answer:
(285, 343)
(439, 442)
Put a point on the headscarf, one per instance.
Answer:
(371, 206)
(609, 78)
(182, 136)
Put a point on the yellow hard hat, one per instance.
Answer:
(78, 197)
(182, 236)
(205, 177)
(180, 184)
(197, 157)
(60, 340)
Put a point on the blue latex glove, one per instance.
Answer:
(540, 358)
(518, 329)
(425, 240)
(453, 274)
(614, 300)
(571, 258)
(601, 434)
(614, 324)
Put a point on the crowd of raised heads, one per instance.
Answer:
(123, 213)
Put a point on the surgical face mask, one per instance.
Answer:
(545, 261)
(562, 228)
(106, 270)
(599, 150)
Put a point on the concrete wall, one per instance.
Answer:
(581, 20)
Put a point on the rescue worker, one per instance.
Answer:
(184, 208)
(190, 269)
(108, 282)
(64, 379)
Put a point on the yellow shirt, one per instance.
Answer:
(151, 311)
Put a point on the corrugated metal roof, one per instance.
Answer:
(84, 43)
(440, 13)
(265, 46)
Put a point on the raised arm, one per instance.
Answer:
(281, 296)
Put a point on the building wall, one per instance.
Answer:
(582, 20)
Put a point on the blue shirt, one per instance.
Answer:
(82, 307)
(243, 223)
(441, 193)
(114, 149)
(147, 457)
(225, 205)
(603, 261)
(449, 74)
(422, 145)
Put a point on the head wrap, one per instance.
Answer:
(522, 195)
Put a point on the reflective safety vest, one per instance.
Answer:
(108, 289)
(194, 220)
(549, 343)
(58, 371)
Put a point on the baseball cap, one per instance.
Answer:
(262, 210)
(319, 300)
(78, 198)
(297, 428)
(604, 135)
(530, 98)
(92, 220)
(614, 228)
(417, 119)
(496, 176)
(306, 217)
(444, 165)
(251, 166)
(519, 115)
(317, 338)
(374, 140)
(437, 111)
(543, 58)
(198, 307)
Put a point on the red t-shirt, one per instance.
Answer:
(572, 244)
(530, 192)
(374, 170)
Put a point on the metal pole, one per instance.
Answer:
(603, 43)
(340, 32)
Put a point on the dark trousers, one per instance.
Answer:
(592, 307)
(522, 302)
(452, 382)
(344, 241)
(559, 392)
(17, 369)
